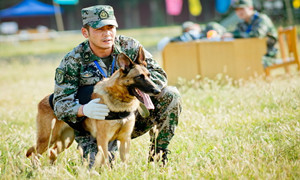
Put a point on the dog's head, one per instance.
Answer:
(135, 75)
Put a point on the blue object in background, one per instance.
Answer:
(222, 6)
(66, 2)
(28, 8)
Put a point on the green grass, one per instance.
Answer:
(227, 130)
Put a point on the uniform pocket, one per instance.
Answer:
(88, 79)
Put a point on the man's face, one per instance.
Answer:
(244, 13)
(102, 38)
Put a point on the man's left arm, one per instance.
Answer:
(158, 75)
(263, 27)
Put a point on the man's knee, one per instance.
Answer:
(170, 95)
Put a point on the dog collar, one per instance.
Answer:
(117, 115)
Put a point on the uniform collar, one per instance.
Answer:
(254, 17)
(87, 54)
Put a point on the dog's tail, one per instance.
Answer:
(30, 151)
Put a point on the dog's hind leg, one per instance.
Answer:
(30, 151)
(65, 140)
(46, 122)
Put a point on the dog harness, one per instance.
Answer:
(84, 96)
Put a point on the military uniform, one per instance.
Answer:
(201, 34)
(259, 26)
(78, 69)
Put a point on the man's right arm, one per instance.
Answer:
(66, 107)
(66, 86)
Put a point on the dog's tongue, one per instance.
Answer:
(146, 98)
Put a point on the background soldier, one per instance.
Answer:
(255, 24)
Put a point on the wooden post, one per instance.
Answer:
(58, 17)
(289, 12)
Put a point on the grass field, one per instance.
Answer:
(227, 130)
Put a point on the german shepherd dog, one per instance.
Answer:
(119, 93)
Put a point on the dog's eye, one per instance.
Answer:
(140, 76)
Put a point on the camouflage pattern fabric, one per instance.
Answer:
(260, 26)
(78, 69)
(162, 120)
(98, 16)
(194, 35)
(186, 37)
(214, 26)
(242, 3)
(160, 124)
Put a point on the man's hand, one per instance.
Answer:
(95, 110)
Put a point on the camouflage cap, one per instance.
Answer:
(242, 3)
(187, 24)
(98, 16)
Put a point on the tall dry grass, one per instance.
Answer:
(227, 130)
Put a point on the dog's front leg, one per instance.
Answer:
(102, 137)
(102, 155)
(125, 137)
(124, 149)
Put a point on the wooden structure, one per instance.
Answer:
(288, 45)
(239, 58)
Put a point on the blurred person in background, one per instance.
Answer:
(89, 63)
(255, 24)
(192, 31)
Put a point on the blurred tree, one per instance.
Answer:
(289, 11)
(158, 13)
(131, 12)
(101, 1)
(137, 13)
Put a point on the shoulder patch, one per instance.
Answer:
(59, 75)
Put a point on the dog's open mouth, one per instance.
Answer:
(143, 97)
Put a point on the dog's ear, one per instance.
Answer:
(124, 62)
(141, 57)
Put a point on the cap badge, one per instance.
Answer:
(103, 15)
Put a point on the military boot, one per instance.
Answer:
(158, 155)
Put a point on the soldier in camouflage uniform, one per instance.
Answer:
(78, 68)
(193, 31)
(255, 24)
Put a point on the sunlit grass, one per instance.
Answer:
(227, 130)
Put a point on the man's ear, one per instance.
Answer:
(124, 62)
(85, 32)
(141, 57)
